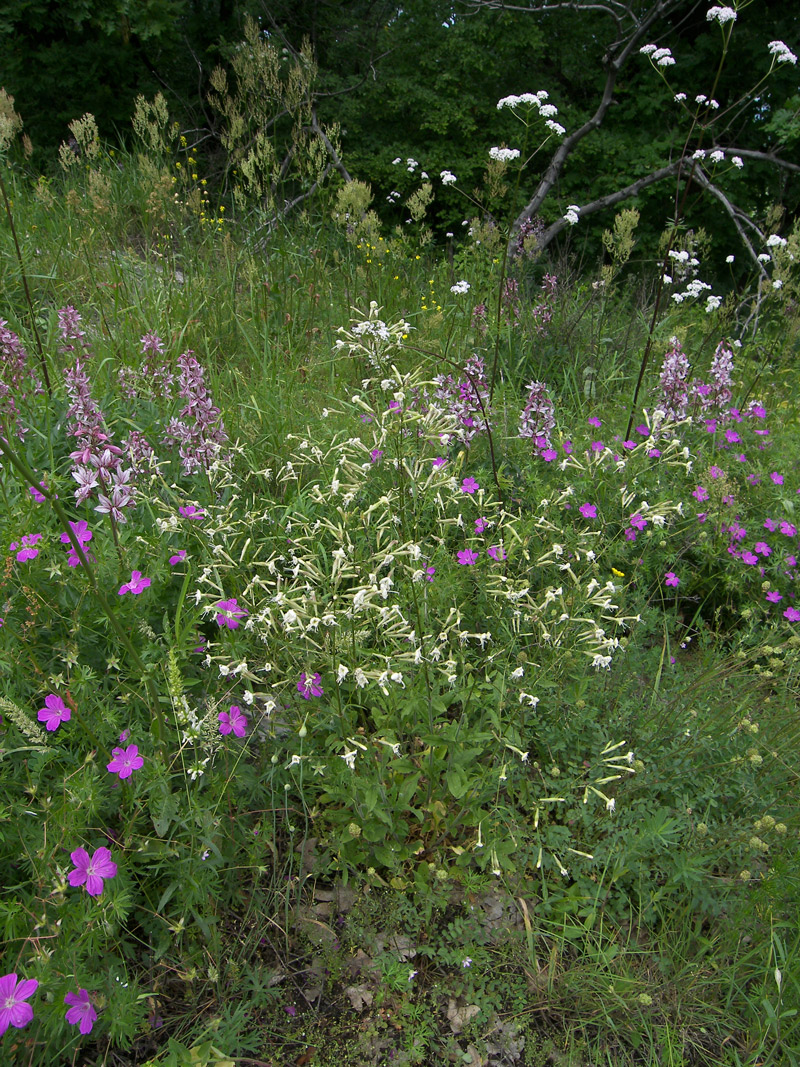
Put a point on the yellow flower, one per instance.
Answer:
(619, 574)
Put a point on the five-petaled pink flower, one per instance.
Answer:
(589, 511)
(13, 994)
(91, 872)
(468, 557)
(773, 596)
(179, 557)
(777, 478)
(792, 614)
(233, 721)
(229, 613)
(310, 686)
(469, 485)
(700, 493)
(125, 761)
(191, 511)
(136, 585)
(671, 578)
(497, 552)
(81, 1010)
(54, 712)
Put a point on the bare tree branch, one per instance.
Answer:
(738, 217)
(766, 157)
(336, 161)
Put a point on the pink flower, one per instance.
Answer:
(700, 493)
(638, 521)
(762, 548)
(233, 721)
(750, 558)
(597, 446)
(497, 552)
(469, 485)
(670, 578)
(429, 573)
(481, 524)
(773, 596)
(179, 557)
(37, 496)
(81, 1010)
(732, 437)
(792, 614)
(549, 454)
(54, 713)
(467, 558)
(375, 454)
(309, 686)
(567, 446)
(643, 430)
(91, 872)
(136, 585)
(125, 761)
(81, 531)
(788, 529)
(589, 511)
(716, 472)
(191, 511)
(439, 462)
(229, 613)
(13, 994)
(777, 478)
(594, 421)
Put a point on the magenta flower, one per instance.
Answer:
(375, 454)
(481, 524)
(310, 686)
(750, 558)
(190, 511)
(54, 712)
(788, 529)
(469, 485)
(594, 421)
(792, 614)
(777, 478)
(589, 511)
(762, 548)
(773, 596)
(230, 613)
(732, 437)
(13, 994)
(37, 496)
(429, 573)
(671, 578)
(637, 520)
(234, 721)
(25, 547)
(549, 454)
(467, 558)
(136, 585)
(179, 557)
(567, 446)
(597, 446)
(81, 1010)
(81, 531)
(91, 872)
(125, 761)
(700, 493)
(439, 462)
(497, 552)
(643, 430)
(716, 472)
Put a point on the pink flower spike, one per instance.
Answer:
(125, 761)
(670, 578)
(91, 872)
(233, 721)
(13, 994)
(54, 712)
(229, 613)
(469, 485)
(310, 686)
(497, 552)
(589, 511)
(179, 557)
(81, 1010)
(136, 585)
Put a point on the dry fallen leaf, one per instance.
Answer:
(459, 1017)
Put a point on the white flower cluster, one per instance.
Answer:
(661, 57)
(448, 178)
(701, 98)
(537, 100)
(504, 155)
(460, 288)
(721, 15)
(782, 53)
(774, 241)
(694, 289)
(573, 211)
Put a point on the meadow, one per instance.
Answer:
(399, 639)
